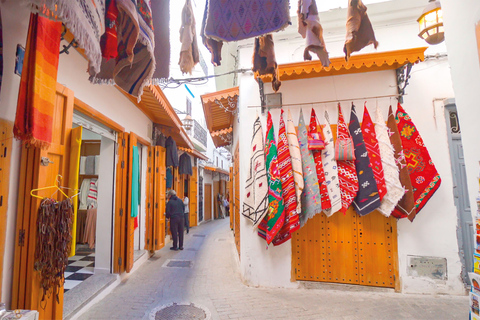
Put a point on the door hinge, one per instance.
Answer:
(391, 229)
(156, 169)
(148, 241)
(156, 241)
(158, 154)
(1, 201)
(149, 205)
(121, 212)
(119, 261)
(149, 153)
(156, 205)
(295, 271)
(21, 237)
(123, 164)
(149, 170)
(123, 142)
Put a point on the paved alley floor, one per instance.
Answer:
(213, 282)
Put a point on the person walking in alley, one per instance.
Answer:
(175, 211)
(186, 203)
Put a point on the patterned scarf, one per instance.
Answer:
(367, 198)
(311, 200)
(292, 222)
(273, 221)
(371, 142)
(347, 173)
(394, 188)
(406, 206)
(255, 203)
(423, 174)
(36, 96)
(296, 157)
(331, 170)
(317, 156)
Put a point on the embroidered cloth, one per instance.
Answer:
(391, 173)
(296, 157)
(331, 170)
(292, 222)
(359, 29)
(37, 93)
(406, 206)
(317, 156)
(255, 202)
(243, 19)
(347, 173)
(311, 199)
(423, 174)
(371, 142)
(310, 28)
(273, 221)
(367, 198)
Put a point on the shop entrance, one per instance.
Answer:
(208, 202)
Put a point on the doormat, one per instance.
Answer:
(171, 263)
(179, 311)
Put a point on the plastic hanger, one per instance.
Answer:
(55, 186)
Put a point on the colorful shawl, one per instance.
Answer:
(406, 206)
(309, 27)
(423, 174)
(391, 173)
(38, 85)
(367, 198)
(214, 46)
(264, 61)
(292, 222)
(371, 142)
(243, 19)
(273, 221)
(347, 173)
(109, 40)
(255, 203)
(189, 55)
(296, 157)
(317, 156)
(85, 19)
(331, 170)
(311, 200)
(359, 29)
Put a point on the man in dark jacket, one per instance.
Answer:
(174, 211)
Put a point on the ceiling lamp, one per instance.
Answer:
(431, 23)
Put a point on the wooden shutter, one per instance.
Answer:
(230, 193)
(26, 291)
(130, 221)
(150, 227)
(193, 197)
(74, 169)
(160, 189)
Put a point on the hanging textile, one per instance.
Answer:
(185, 164)
(90, 228)
(264, 62)
(172, 153)
(367, 198)
(406, 206)
(331, 170)
(189, 55)
(371, 142)
(347, 173)
(310, 28)
(255, 203)
(135, 183)
(1, 50)
(169, 178)
(317, 156)
(243, 19)
(92, 195)
(292, 222)
(359, 29)
(311, 199)
(161, 30)
(296, 157)
(391, 173)
(273, 221)
(423, 174)
(214, 46)
(37, 93)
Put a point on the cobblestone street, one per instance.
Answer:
(213, 282)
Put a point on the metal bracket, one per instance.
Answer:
(403, 75)
(44, 161)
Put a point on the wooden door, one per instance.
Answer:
(230, 193)
(26, 291)
(208, 202)
(149, 216)
(193, 197)
(236, 197)
(216, 190)
(160, 189)
(73, 183)
(130, 220)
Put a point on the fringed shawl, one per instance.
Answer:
(331, 170)
(296, 157)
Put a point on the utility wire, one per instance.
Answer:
(175, 83)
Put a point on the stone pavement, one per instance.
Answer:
(214, 283)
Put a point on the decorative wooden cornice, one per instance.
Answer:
(219, 95)
(222, 132)
(194, 153)
(216, 169)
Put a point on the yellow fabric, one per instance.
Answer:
(76, 144)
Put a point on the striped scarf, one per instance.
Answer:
(331, 170)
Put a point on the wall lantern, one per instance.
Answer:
(188, 122)
(431, 23)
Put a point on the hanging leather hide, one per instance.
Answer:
(359, 29)
(264, 59)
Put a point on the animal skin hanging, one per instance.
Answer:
(359, 29)
(264, 60)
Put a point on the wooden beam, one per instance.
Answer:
(84, 108)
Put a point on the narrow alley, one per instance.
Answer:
(212, 282)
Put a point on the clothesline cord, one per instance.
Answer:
(323, 102)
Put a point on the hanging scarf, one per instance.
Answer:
(367, 198)
(391, 173)
(317, 156)
(189, 55)
(423, 174)
(255, 203)
(371, 142)
(292, 222)
(406, 206)
(296, 157)
(311, 200)
(273, 221)
(264, 62)
(37, 93)
(309, 27)
(331, 170)
(359, 29)
(347, 173)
